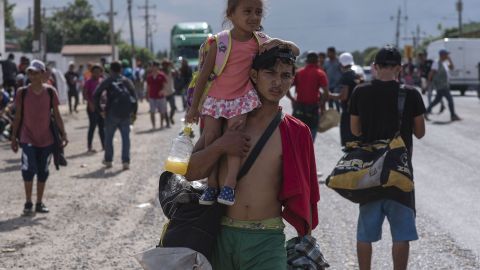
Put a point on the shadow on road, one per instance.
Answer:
(81, 127)
(13, 160)
(5, 146)
(11, 168)
(18, 222)
(441, 122)
(147, 131)
(83, 154)
(98, 174)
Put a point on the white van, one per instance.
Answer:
(465, 54)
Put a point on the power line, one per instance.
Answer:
(147, 18)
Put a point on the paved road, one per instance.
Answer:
(447, 192)
(100, 218)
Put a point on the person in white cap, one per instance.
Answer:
(31, 129)
(348, 82)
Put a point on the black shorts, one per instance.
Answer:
(35, 160)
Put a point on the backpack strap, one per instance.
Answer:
(20, 123)
(224, 46)
(402, 96)
(260, 144)
(261, 37)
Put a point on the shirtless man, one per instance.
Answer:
(252, 234)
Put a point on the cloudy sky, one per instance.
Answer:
(313, 24)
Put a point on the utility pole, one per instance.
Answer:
(43, 36)
(397, 33)
(147, 17)
(37, 28)
(459, 6)
(29, 18)
(2, 33)
(132, 40)
(112, 31)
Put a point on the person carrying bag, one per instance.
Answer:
(367, 169)
(188, 239)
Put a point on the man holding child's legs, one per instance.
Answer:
(252, 234)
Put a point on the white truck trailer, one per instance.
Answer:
(465, 54)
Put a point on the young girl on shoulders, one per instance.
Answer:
(231, 95)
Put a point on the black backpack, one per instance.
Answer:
(121, 102)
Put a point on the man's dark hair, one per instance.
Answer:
(388, 56)
(11, 56)
(116, 66)
(322, 54)
(96, 66)
(331, 49)
(312, 58)
(156, 63)
(269, 58)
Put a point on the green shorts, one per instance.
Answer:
(244, 245)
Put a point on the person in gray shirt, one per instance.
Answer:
(334, 72)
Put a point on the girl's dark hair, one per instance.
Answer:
(231, 6)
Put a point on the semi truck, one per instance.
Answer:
(465, 54)
(185, 40)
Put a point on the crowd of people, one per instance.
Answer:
(241, 100)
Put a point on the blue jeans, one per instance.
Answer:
(438, 98)
(111, 125)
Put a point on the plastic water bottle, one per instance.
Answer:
(179, 156)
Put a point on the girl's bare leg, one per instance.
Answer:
(212, 130)
(234, 162)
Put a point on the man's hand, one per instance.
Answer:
(14, 145)
(234, 142)
(272, 43)
(64, 140)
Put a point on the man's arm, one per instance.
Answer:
(204, 158)
(98, 93)
(450, 63)
(16, 120)
(355, 125)
(131, 90)
(61, 126)
(419, 126)
(342, 96)
(430, 75)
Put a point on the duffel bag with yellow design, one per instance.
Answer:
(367, 169)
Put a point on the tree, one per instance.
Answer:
(9, 21)
(89, 31)
(358, 58)
(73, 25)
(369, 55)
(142, 54)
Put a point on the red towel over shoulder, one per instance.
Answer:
(299, 193)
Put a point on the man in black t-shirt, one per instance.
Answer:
(374, 116)
(72, 77)
(348, 82)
